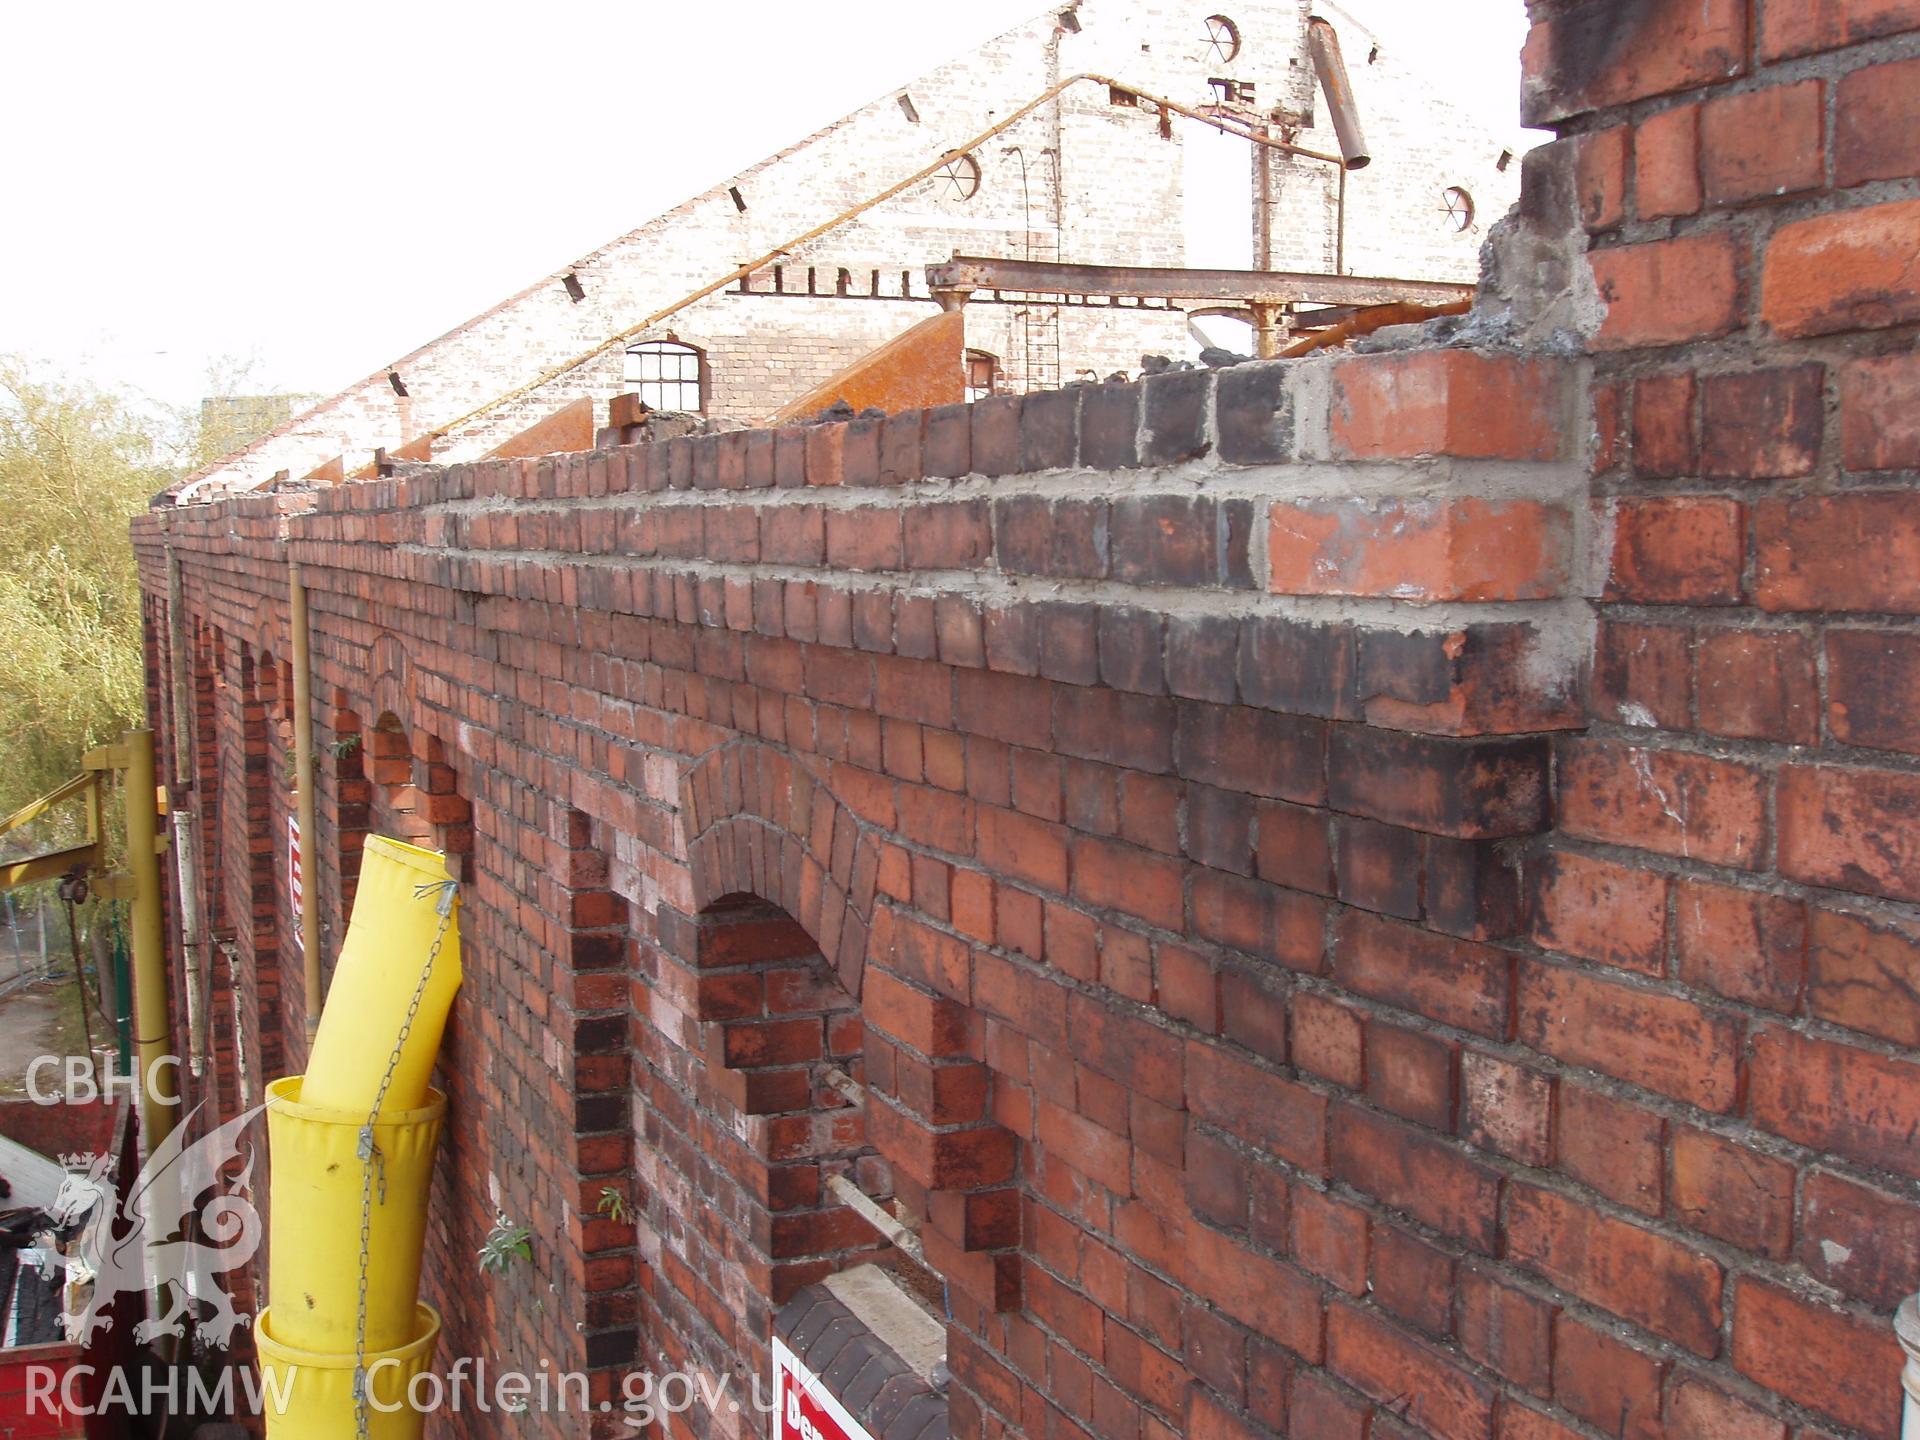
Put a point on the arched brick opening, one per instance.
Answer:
(255, 980)
(785, 1044)
(788, 973)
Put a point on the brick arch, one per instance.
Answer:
(762, 827)
(392, 685)
(759, 823)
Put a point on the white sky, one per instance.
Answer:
(322, 188)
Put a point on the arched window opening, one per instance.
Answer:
(667, 375)
(798, 1057)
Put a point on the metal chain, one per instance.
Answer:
(370, 1157)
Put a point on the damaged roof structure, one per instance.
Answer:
(1097, 163)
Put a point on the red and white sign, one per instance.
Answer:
(294, 892)
(803, 1410)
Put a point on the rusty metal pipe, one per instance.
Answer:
(1375, 317)
(1323, 43)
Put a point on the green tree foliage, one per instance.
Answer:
(76, 465)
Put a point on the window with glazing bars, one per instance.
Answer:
(666, 375)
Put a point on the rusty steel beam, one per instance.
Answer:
(1262, 287)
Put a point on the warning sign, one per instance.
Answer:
(294, 892)
(803, 1408)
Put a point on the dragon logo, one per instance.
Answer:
(159, 1236)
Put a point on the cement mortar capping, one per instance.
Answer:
(1426, 477)
(993, 587)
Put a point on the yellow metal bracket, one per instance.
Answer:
(52, 864)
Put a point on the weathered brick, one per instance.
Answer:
(1600, 176)
(1455, 982)
(1326, 1039)
(948, 537)
(1506, 1107)
(1635, 1273)
(1828, 1359)
(1109, 426)
(1685, 550)
(1642, 674)
(1663, 292)
(1851, 829)
(1505, 1329)
(1252, 751)
(1666, 437)
(1176, 412)
(1605, 1382)
(1864, 975)
(1411, 1074)
(1737, 1194)
(1669, 801)
(1603, 911)
(1699, 1411)
(1762, 423)
(1457, 549)
(1255, 414)
(1757, 685)
(1801, 29)
(1066, 539)
(1469, 789)
(1880, 413)
(1382, 1361)
(1666, 163)
(1861, 1240)
(1377, 867)
(1415, 1171)
(1762, 144)
(1259, 919)
(996, 435)
(1835, 1097)
(1616, 1147)
(1848, 270)
(1259, 1106)
(1329, 1238)
(1165, 540)
(1744, 944)
(1877, 123)
(1049, 429)
(1838, 552)
(1591, 56)
(1301, 668)
(1656, 1041)
(1447, 402)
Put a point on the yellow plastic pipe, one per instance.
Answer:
(314, 1230)
(397, 922)
(308, 1394)
(153, 1026)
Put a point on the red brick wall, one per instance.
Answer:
(1369, 892)
(1736, 842)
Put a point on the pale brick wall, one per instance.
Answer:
(1080, 179)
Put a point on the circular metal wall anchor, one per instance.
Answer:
(1222, 39)
(1458, 207)
(959, 178)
